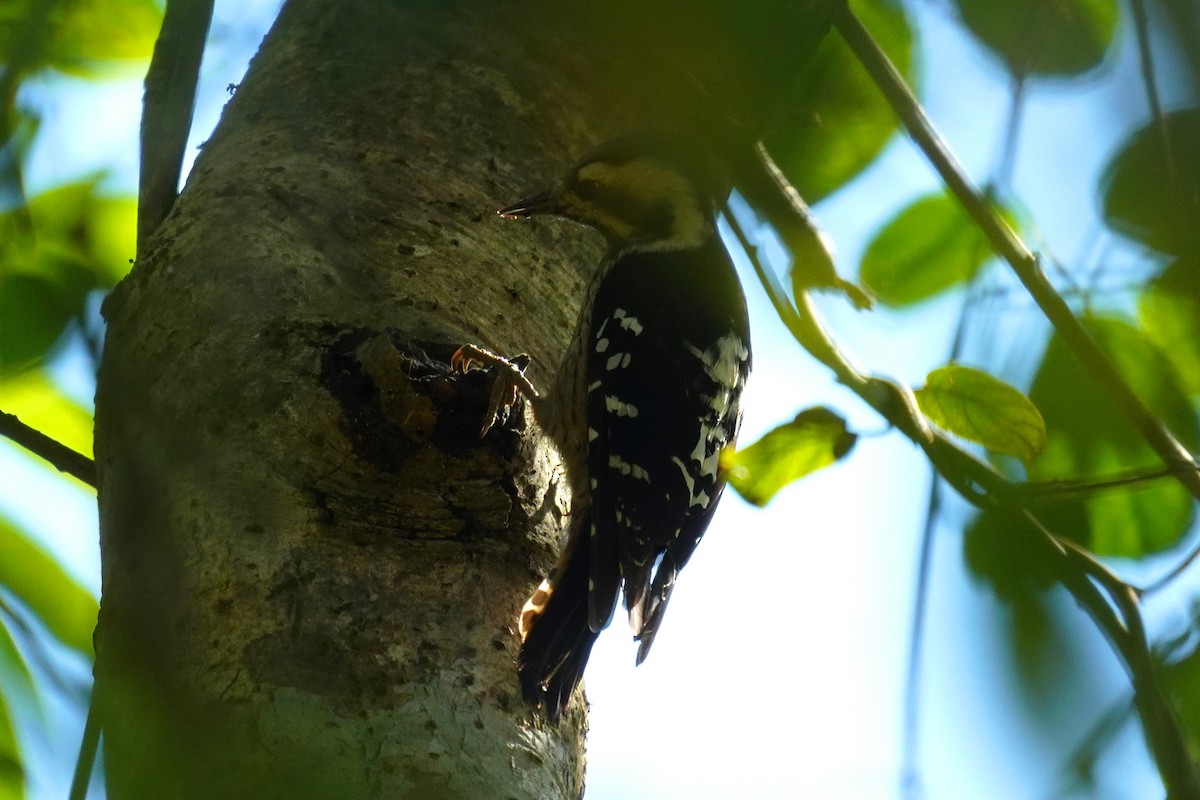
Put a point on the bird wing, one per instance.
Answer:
(659, 415)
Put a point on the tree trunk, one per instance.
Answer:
(312, 565)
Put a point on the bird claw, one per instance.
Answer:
(509, 379)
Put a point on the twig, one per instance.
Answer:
(1012, 249)
(980, 484)
(1142, 27)
(1012, 133)
(85, 763)
(1175, 572)
(910, 775)
(168, 106)
(1061, 488)
(910, 778)
(61, 457)
(1164, 735)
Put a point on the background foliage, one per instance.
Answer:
(64, 244)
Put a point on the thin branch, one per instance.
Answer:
(1007, 163)
(1082, 761)
(168, 106)
(1178, 570)
(1142, 27)
(1163, 731)
(979, 483)
(1160, 720)
(61, 457)
(1067, 487)
(89, 745)
(1008, 245)
(910, 775)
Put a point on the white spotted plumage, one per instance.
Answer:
(661, 355)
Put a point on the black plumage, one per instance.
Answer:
(647, 396)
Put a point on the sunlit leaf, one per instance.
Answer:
(813, 264)
(1154, 199)
(930, 246)
(12, 767)
(838, 122)
(113, 237)
(77, 36)
(93, 229)
(40, 404)
(816, 438)
(65, 607)
(1063, 37)
(983, 409)
(105, 30)
(1087, 437)
(1169, 310)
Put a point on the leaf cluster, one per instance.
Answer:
(59, 249)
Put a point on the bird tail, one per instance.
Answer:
(654, 604)
(556, 636)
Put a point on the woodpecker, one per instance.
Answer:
(646, 397)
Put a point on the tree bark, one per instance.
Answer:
(312, 566)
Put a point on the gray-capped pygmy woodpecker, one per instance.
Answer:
(646, 397)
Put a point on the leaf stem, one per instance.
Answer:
(1146, 57)
(980, 484)
(167, 109)
(1008, 245)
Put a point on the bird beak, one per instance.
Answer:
(542, 203)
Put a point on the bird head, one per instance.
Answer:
(633, 192)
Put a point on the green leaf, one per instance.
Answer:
(838, 122)
(12, 766)
(997, 549)
(18, 688)
(112, 237)
(692, 65)
(26, 27)
(1032, 37)
(71, 232)
(1183, 679)
(92, 31)
(1087, 437)
(1169, 310)
(17, 679)
(1151, 198)
(33, 313)
(813, 265)
(64, 244)
(925, 249)
(983, 409)
(816, 438)
(77, 36)
(38, 403)
(65, 607)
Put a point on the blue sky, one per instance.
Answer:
(780, 671)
